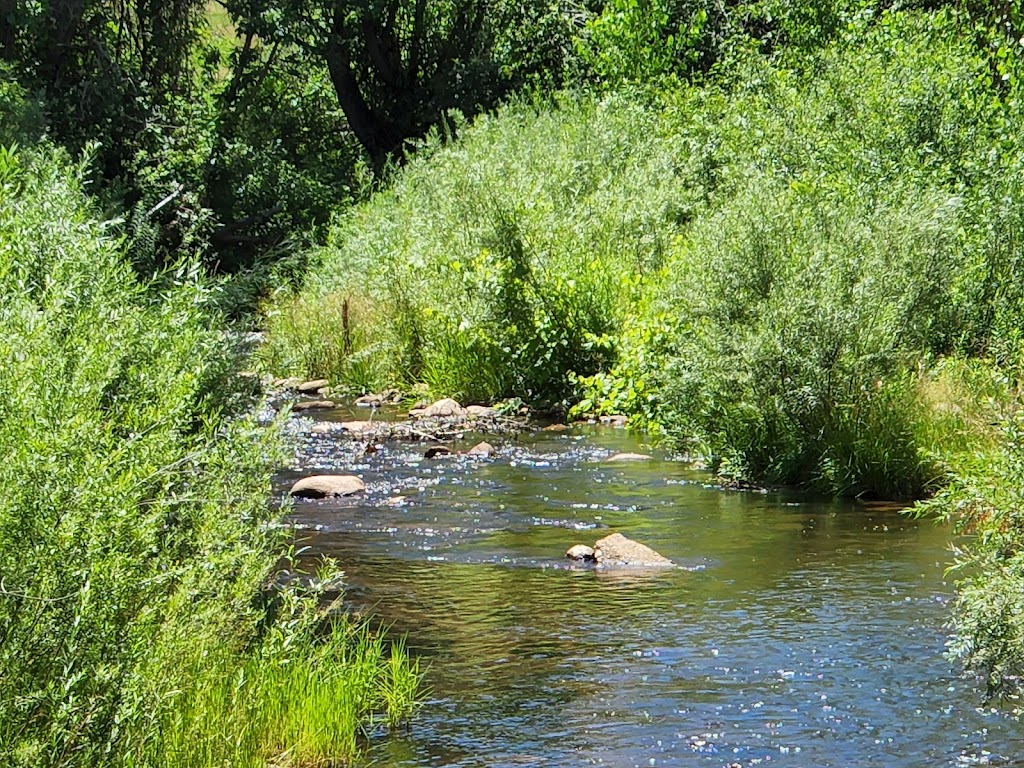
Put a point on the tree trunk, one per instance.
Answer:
(379, 137)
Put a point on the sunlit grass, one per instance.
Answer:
(307, 703)
(138, 548)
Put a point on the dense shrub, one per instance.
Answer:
(136, 538)
(802, 320)
(498, 265)
(982, 503)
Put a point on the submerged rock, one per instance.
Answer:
(580, 552)
(617, 550)
(615, 420)
(356, 426)
(310, 405)
(308, 387)
(322, 486)
(482, 449)
(555, 428)
(629, 457)
(324, 428)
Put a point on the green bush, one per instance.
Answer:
(801, 317)
(136, 541)
(982, 502)
(504, 262)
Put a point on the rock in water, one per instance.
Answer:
(482, 449)
(445, 408)
(580, 552)
(356, 426)
(617, 550)
(322, 486)
(629, 457)
(616, 420)
(308, 387)
(437, 450)
(480, 411)
(310, 405)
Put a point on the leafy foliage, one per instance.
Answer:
(983, 501)
(136, 542)
(399, 67)
(499, 265)
(800, 318)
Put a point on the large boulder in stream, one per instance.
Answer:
(580, 552)
(445, 408)
(618, 551)
(324, 486)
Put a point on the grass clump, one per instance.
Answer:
(297, 699)
(136, 541)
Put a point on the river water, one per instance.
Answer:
(797, 632)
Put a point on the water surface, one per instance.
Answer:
(796, 632)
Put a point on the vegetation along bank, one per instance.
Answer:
(784, 234)
(141, 619)
(803, 266)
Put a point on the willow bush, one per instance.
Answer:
(498, 264)
(803, 322)
(137, 544)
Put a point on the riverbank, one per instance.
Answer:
(141, 620)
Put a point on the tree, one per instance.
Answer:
(399, 66)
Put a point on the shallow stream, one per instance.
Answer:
(797, 632)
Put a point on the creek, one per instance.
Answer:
(797, 632)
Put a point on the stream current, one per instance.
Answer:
(797, 632)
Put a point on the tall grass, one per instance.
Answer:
(137, 544)
(336, 336)
(295, 701)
